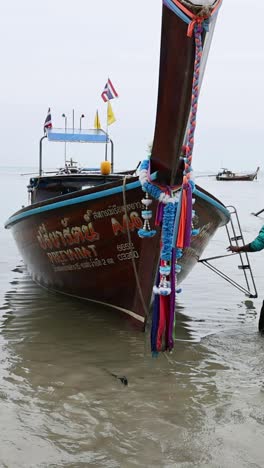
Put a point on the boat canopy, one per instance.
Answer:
(79, 136)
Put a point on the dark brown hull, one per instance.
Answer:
(81, 247)
(249, 177)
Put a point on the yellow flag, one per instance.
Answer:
(97, 123)
(110, 115)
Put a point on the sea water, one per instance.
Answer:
(61, 401)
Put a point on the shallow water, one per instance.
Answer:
(61, 405)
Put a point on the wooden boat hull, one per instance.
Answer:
(79, 245)
(250, 178)
(85, 244)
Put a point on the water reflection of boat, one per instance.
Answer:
(79, 234)
(33, 312)
(226, 175)
(56, 388)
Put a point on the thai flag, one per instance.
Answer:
(48, 123)
(109, 91)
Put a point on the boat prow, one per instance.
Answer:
(177, 61)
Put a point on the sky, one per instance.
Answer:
(59, 54)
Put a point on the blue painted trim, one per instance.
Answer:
(74, 201)
(73, 135)
(101, 194)
(77, 138)
(212, 202)
(177, 11)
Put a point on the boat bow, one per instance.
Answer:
(177, 65)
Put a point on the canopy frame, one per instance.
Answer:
(77, 136)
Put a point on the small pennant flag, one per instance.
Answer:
(97, 123)
(48, 123)
(109, 91)
(110, 115)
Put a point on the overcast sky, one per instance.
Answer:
(59, 53)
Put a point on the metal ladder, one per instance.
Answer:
(235, 236)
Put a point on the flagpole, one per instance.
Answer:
(82, 116)
(106, 143)
(65, 127)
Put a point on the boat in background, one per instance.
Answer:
(226, 175)
(87, 233)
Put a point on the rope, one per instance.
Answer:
(146, 310)
(189, 17)
(198, 29)
(209, 11)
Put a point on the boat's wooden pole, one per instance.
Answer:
(174, 96)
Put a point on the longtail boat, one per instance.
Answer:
(226, 175)
(89, 234)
